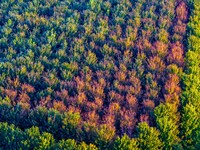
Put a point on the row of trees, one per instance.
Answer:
(190, 125)
(14, 138)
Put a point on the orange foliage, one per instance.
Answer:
(46, 101)
(81, 98)
(12, 94)
(127, 121)
(120, 76)
(155, 64)
(59, 105)
(80, 84)
(135, 88)
(24, 98)
(131, 102)
(91, 117)
(90, 106)
(176, 54)
(149, 104)
(99, 102)
(97, 89)
(114, 97)
(159, 48)
(28, 88)
(114, 108)
(172, 89)
(109, 119)
(143, 45)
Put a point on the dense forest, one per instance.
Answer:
(99, 74)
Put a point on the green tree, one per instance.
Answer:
(31, 138)
(70, 125)
(84, 146)
(105, 135)
(46, 141)
(167, 120)
(68, 144)
(190, 126)
(190, 120)
(10, 136)
(148, 137)
(125, 143)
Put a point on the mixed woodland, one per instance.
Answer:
(100, 74)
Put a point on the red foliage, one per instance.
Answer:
(46, 101)
(160, 49)
(149, 104)
(109, 119)
(127, 121)
(115, 97)
(63, 95)
(156, 64)
(172, 89)
(180, 28)
(182, 11)
(12, 94)
(176, 54)
(143, 45)
(91, 117)
(135, 87)
(144, 118)
(132, 102)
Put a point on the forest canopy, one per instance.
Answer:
(100, 74)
